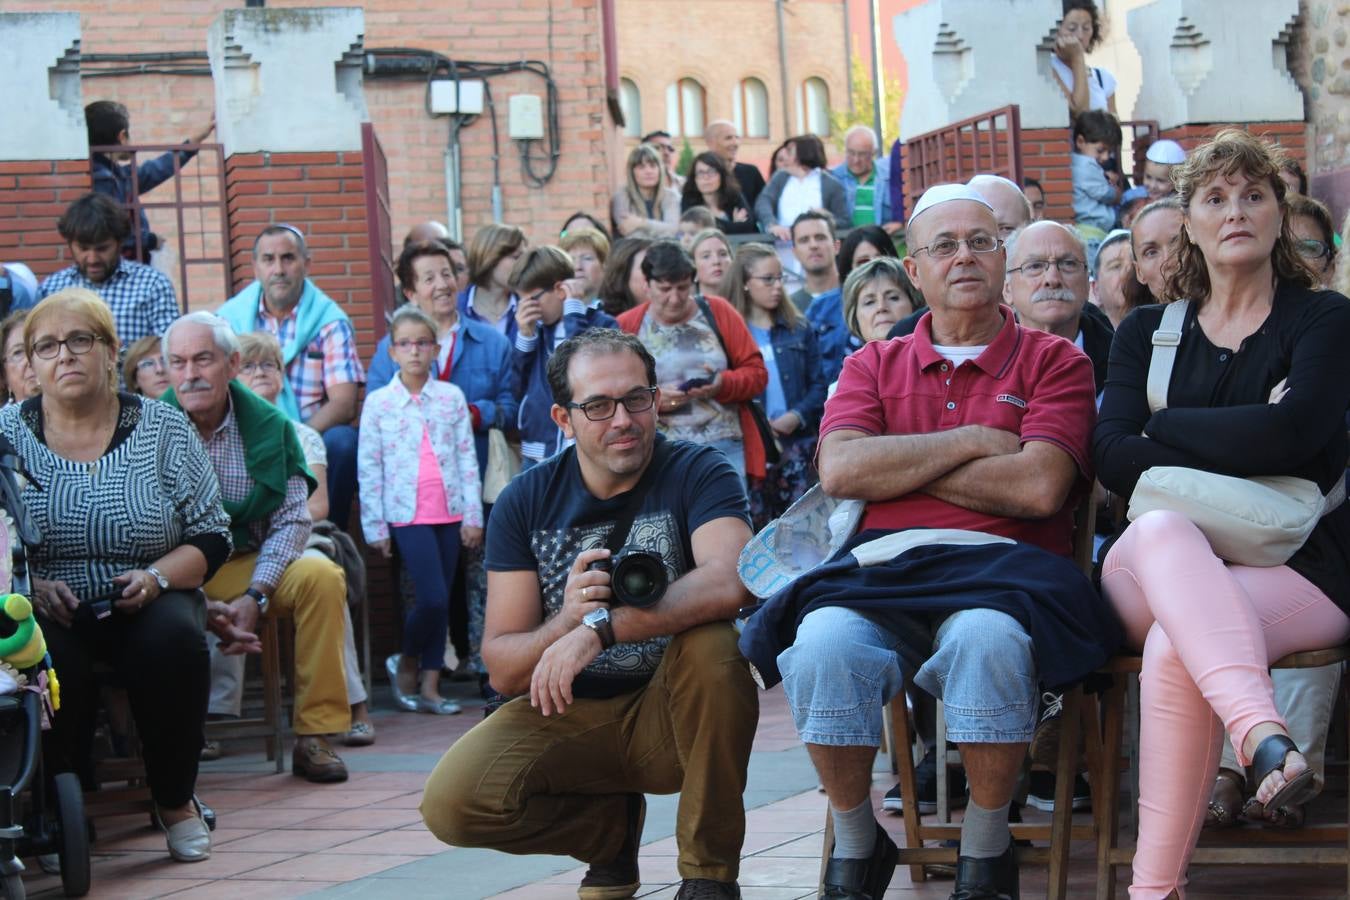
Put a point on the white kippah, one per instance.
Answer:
(945, 193)
(1165, 152)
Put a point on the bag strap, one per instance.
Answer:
(623, 523)
(1165, 342)
(712, 323)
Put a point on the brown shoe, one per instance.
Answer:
(618, 878)
(314, 760)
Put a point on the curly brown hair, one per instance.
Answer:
(1233, 151)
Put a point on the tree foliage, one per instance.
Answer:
(862, 111)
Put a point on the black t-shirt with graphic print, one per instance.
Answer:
(545, 517)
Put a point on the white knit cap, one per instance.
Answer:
(945, 193)
(1165, 152)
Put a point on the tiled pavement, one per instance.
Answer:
(280, 837)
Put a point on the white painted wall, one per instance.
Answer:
(42, 101)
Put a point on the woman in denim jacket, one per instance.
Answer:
(795, 396)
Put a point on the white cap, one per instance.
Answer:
(1165, 152)
(945, 193)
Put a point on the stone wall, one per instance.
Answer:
(1320, 59)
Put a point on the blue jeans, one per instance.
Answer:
(430, 554)
(340, 442)
(844, 666)
(734, 450)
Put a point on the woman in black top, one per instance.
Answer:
(1260, 387)
(713, 185)
(132, 524)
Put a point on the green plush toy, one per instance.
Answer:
(25, 647)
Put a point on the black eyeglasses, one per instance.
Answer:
(1037, 267)
(79, 343)
(598, 409)
(1311, 249)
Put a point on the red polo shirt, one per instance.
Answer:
(1033, 384)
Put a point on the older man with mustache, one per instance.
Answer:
(264, 484)
(1047, 283)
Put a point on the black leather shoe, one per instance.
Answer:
(862, 879)
(618, 878)
(987, 879)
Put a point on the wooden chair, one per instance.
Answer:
(271, 723)
(1078, 718)
(1325, 845)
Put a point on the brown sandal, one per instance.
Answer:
(1225, 800)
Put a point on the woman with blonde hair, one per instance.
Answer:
(132, 524)
(1259, 385)
(646, 203)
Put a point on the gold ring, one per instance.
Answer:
(585, 593)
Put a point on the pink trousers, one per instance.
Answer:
(1209, 631)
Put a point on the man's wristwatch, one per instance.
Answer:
(598, 621)
(159, 578)
(259, 597)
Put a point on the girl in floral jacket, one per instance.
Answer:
(419, 484)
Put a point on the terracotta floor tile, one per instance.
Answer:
(409, 843)
(340, 867)
(362, 818)
(253, 890)
(297, 840)
(261, 818)
(410, 800)
(333, 796)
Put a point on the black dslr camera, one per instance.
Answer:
(637, 577)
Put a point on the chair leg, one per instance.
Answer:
(944, 803)
(272, 712)
(1066, 770)
(1106, 785)
(909, 785)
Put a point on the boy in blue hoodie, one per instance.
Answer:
(1096, 141)
(546, 315)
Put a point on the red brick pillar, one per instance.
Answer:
(33, 194)
(323, 195)
(1046, 156)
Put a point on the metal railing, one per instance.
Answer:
(188, 213)
(988, 143)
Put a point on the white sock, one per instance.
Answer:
(855, 831)
(984, 832)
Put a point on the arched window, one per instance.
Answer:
(750, 108)
(685, 105)
(813, 107)
(630, 101)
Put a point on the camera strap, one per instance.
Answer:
(623, 522)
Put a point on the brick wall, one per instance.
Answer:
(1292, 136)
(168, 108)
(32, 197)
(322, 194)
(1045, 157)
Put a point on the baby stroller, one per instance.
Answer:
(54, 822)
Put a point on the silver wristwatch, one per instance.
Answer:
(258, 597)
(159, 578)
(598, 620)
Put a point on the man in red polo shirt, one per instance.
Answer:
(970, 441)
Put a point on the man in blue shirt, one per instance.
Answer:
(814, 245)
(109, 123)
(866, 179)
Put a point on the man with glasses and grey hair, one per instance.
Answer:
(613, 699)
(318, 347)
(866, 178)
(970, 443)
(1047, 284)
(264, 485)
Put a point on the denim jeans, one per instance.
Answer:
(734, 450)
(340, 442)
(844, 666)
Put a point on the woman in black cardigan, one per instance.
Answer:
(1260, 386)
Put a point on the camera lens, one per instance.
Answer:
(638, 578)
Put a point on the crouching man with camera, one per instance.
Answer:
(627, 675)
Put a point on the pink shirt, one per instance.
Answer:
(432, 507)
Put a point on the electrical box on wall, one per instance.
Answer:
(449, 97)
(527, 118)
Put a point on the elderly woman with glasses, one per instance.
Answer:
(127, 540)
(143, 370)
(20, 380)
